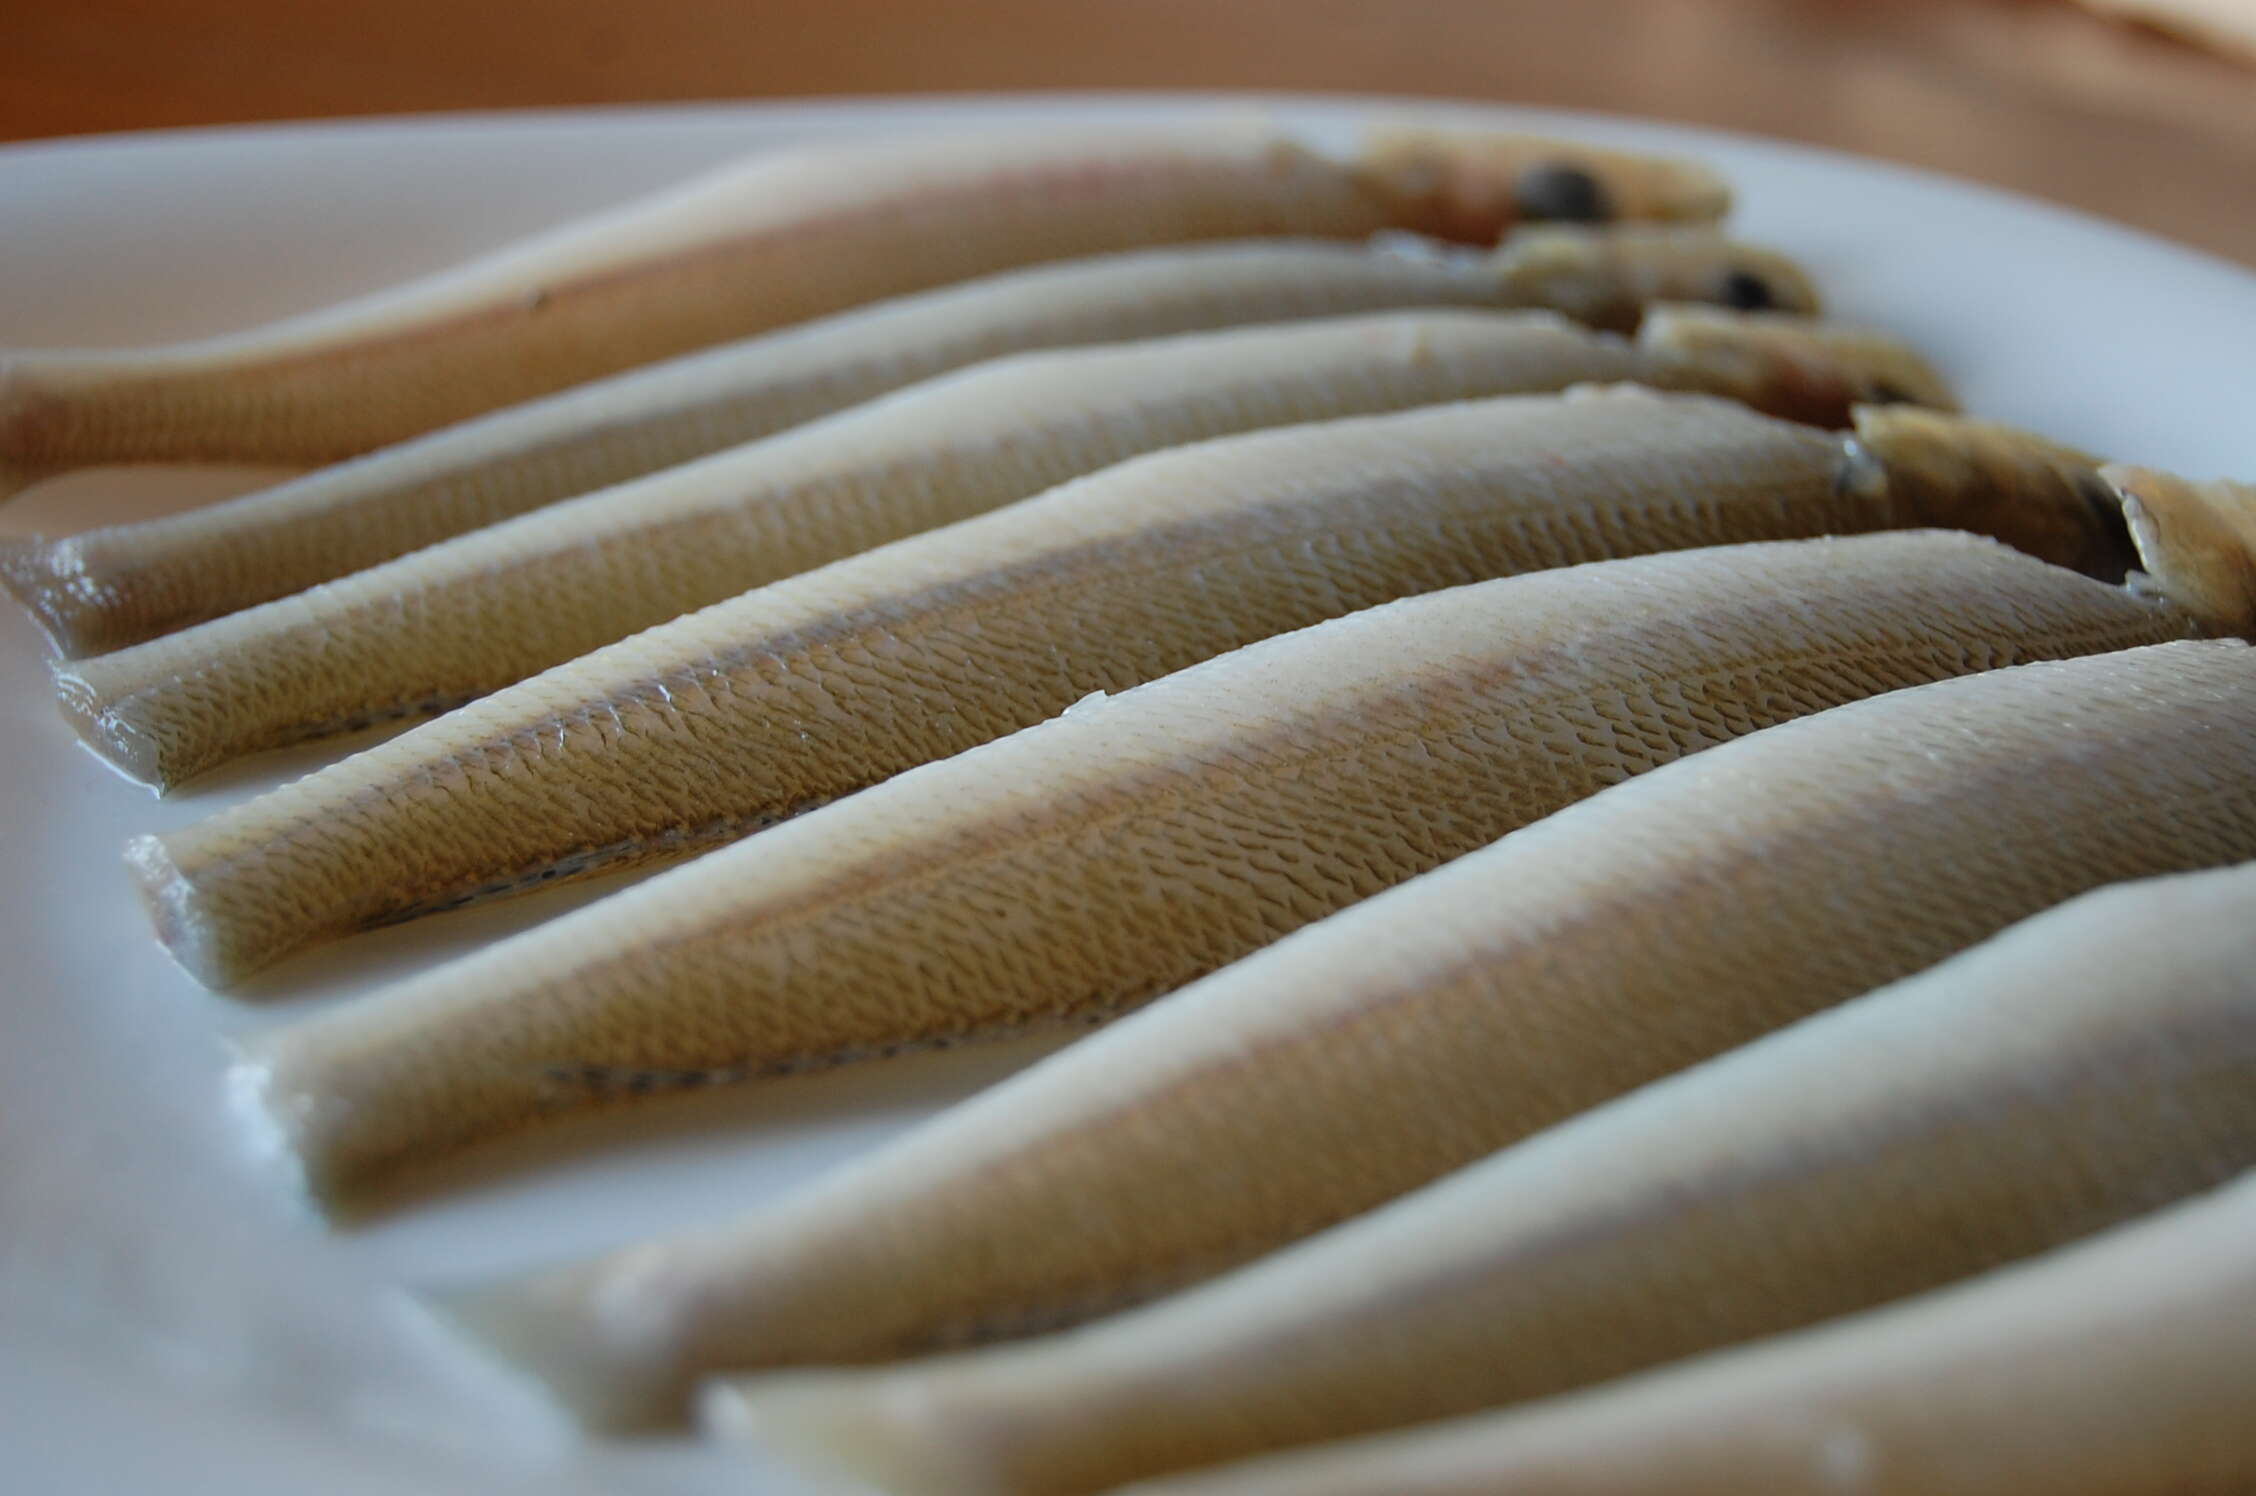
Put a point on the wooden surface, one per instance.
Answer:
(2028, 94)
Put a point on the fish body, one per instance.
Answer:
(2091, 1065)
(468, 616)
(1081, 866)
(123, 584)
(778, 238)
(740, 715)
(2116, 1366)
(1655, 924)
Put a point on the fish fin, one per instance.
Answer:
(2033, 493)
(1791, 366)
(2196, 542)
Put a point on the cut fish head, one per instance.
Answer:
(1786, 365)
(2034, 494)
(1608, 277)
(1472, 185)
(2196, 542)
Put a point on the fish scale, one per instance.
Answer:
(2089, 1064)
(1660, 922)
(738, 716)
(1127, 846)
(122, 584)
(473, 613)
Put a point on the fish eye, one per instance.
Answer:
(1565, 193)
(1747, 291)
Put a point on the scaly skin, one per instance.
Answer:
(709, 727)
(781, 237)
(2118, 1367)
(1939, 1130)
(1103, 857)
(123, 584)
(1307, 1095)
(471, 615)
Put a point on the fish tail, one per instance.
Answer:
(183, 927)
(39, 574)
(604, 1357)
(2196, 543)
(265, 1124)
(25, 569)
(830, 1424)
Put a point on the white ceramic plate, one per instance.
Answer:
(167, 1320)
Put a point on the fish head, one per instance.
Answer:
(2196, 543)
(1786, 365)
(2034, 494)
(1472, 185)
(1608, 277)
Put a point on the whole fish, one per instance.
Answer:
(779, 237)
(1106, 856)
(2117, 1367)
(2036, 1091)
(122, 584)
(470, 615)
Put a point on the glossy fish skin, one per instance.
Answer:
(457, 620)
(2117, 1366)
(777, 238)
(699, 730)
(1648, 927)
(124, 584)
(1103, 857)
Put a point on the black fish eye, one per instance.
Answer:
(1747, 291)
(1566, 193)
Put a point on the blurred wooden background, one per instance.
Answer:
(2029, 94)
